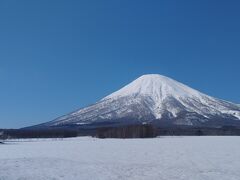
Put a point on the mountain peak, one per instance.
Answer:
(156, 86)
(152, 76)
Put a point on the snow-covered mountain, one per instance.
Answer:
(154, 99)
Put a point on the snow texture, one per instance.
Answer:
(168, 158)
(157, 86)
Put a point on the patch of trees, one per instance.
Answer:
(149, 131)
(198, 131)
(132, 131)
(39, 133)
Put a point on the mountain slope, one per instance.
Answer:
(155, 99)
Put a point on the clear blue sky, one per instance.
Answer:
(57, 56)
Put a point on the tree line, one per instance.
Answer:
(37, 133)
(130, 131)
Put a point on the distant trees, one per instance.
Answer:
(39, 133)
(149, 131)
(132, 131)
(199, 133)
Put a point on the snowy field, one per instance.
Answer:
(166, 158)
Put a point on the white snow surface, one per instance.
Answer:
(166, 158)
(156, 86)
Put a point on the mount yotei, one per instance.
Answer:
(154, 99)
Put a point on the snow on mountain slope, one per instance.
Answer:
(156, 86)
(155, 98)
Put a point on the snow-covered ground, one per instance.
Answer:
(166, 158)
